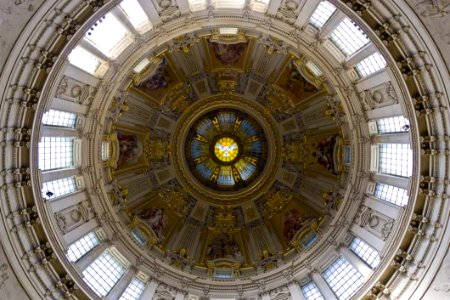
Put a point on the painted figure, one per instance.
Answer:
(155, 218)
(130, 149)
(324, 153)
(293, 221)
(157, 81)
(223, 246)
(228, 54)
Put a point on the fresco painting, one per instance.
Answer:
(224, 246)
(293, 82)
(156, 219)
(293, 220)
(159, 80)
(324, 153)
(228, 54)
(130, 149)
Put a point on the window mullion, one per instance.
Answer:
(332, 23)
(58, 131)
(151, 12)
(356, 261)
(306, 12)
(323, 287)
(58, 174)
(295, 291)
(118, 13)
(392, 138)
(359, 55)
(121, 285)
(150, 290)
(91, 256)
(92, 49)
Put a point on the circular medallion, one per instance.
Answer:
(226, 149)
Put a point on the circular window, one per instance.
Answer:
(226, 149)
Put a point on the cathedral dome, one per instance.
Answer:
(197, 149)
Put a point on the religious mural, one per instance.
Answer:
(327, 153)
(155, 218)
(159, 80)
(224, 246)
(130, 149)
(293, 220)
(294, 83)
(228, 54)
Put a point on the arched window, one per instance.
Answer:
(109, 36)
(322, 14)
(103, 273)
(59, 187)
(395, 159)
(393, 125)
(370, 65)
(365, 252)
(55, 153)
(220, 4)
(82, 246)
(343, 278)
(88, 62)
(392, 194)
(136, 15)
(134, 290)
(311, 291)
(197, 5)
(349, 37)
(59, 118)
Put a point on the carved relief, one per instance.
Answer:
(70, 218)
(289, 10)
(280, 293)
(76, 91)
(165, 292)
(168, 9)
(433, 8)
(378, 96)
(4, 276)
(374, 222)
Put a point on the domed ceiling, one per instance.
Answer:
(239, 160)
(245, 149)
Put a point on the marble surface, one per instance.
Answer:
(14, 15)
(435, 15)
(10, 288)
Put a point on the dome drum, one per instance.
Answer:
(318, 162)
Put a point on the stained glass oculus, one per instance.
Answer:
(226, 149)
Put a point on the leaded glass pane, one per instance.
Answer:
(85, 244)
(58, 187)
(343, 278)
(396, 159)
(349, 37)
(55, 153)
(395, 195)
(365, 252)
(370, 65)
(103, 273)
(322, 14)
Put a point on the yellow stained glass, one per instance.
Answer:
(226, 149)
